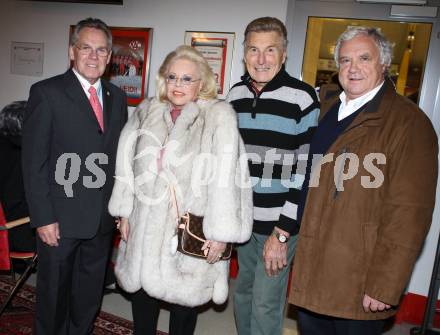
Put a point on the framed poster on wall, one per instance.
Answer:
(217, 48)
(129, 64)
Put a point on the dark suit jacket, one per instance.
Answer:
(60, 120)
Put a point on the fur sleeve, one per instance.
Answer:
(122, 198)
(228, 215)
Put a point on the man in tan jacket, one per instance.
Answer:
(370, 196)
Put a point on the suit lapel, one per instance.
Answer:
(107, 101)
(111, 122)
(76, 93)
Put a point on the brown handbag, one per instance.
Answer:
(190, 234)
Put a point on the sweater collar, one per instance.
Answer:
(275, 83)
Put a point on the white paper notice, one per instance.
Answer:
(27, 58)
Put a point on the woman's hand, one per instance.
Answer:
(215, 250)
(124, 228)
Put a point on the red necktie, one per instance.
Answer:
(96, 105)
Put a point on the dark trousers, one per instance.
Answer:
(310, 323)
(146, 312)
(70, 281)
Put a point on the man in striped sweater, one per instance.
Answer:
(277, 116)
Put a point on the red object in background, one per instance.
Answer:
(4, 244)
(412, 310)
(233, 265)
(114, 253)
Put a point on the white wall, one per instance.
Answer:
(46, 22)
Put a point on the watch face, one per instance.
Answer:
(282, 238)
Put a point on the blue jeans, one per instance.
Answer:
(259, 299)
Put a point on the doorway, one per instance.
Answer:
(410, 39)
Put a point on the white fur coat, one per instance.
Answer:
(200, 159)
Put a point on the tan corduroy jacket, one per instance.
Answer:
(362, 235)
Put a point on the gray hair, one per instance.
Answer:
(91, 23)
(385, 47)
(266, 24)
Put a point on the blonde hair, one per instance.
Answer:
(209, 87)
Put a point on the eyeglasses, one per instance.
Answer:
(185, 80)
(86, 50)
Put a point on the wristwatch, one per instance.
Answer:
(280, 236)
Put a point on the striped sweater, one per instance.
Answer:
(276, 125)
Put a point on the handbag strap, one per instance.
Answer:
(174, 201)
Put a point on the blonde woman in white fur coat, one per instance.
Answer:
(185, 139)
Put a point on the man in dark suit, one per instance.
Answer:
(70, 136)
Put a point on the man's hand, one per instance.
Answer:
(49, 234)
(124, 228)
(373, 305)
(275, 254)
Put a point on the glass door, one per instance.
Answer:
(313, 27)
(410, 39)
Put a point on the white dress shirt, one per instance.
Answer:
(86, 85)
(348, 108)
